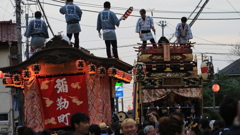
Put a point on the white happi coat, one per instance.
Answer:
(183, 33)
(145, 25)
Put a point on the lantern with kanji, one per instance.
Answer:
(36, 68)
(1, 74)
(207, 70)
(17, 80)
(128, 77)
(80, 64)
(7, 80)
(119, 74)
(215, 87)
(101, 71)
(139, 71)
(112, 71)
(26, 74)
(91, 69)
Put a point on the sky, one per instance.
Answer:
(215, 31)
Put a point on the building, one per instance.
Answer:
(8, 55)
(232, 70)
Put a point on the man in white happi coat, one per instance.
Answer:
(183, 32)
(143, 28)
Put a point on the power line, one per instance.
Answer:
(45, 17)
(167, 18)
(233, 7)
(155, 11)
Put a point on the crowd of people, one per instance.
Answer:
(172, 124)
(106, 25)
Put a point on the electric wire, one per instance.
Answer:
(167, 18)
(233, 8)
(45, 17)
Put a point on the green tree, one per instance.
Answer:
(229, 86)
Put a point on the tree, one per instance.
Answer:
(229, 86)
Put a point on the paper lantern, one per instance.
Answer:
(80, 64)
(119, 74)
(26, 74)
(112, 71)
(207, 70)
(215, 87)
(129, 77)
(7, 80)
(91, 69)
(140, 72)
(17, 80)
(1, 74)
(101, 71)
(36, 68)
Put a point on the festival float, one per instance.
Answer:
(60, 80)
(166, 77)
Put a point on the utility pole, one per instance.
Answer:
(19, 56)
(27, 40)
(163, 25)
(19, 33)
(122, 105)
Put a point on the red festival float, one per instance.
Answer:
(60, 80)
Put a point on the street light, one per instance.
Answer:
(215, 88)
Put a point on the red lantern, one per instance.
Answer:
(7, 80)
(134, 70)
(26, 74)
(129, 77)
(215, 87)
(119, 74)
(92, 69)
(17, 80)
(124, 75)
(1, 74)
(112, 71)
(207, 70)
(101, 71)
(80, 64)
(36, 68)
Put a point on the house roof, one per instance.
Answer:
(8, 31)
(232, 69)
(58, 51)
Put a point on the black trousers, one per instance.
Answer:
(114, 48)
(151, 40)
(76, 37)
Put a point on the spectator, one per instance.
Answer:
(113, 127)
(194, 127)
(20, 130)
(28, 131)
(129, 127)
(104, 128)
(80, 123)
(204, 126)
(149, 130)
(228, 111)
(217, 125)
(94, 129)
(172, 125)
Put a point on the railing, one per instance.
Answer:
(147, 46)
